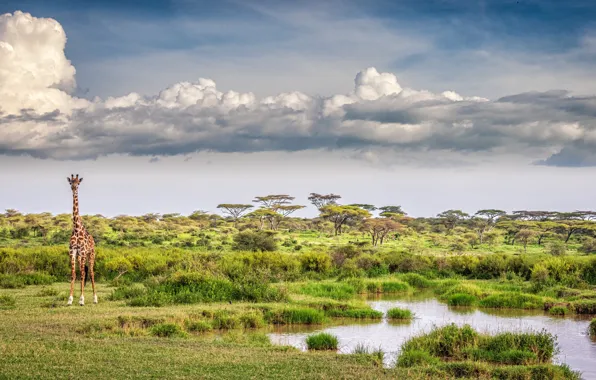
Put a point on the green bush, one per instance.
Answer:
(398, 313)
(254, 241)
(322, 341)
(198, 326)
(318, 262)
(557, 248)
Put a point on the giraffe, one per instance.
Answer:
(82, 245)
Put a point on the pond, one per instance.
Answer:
(577, 349)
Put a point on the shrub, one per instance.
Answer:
(557, 248)
(166, 330)
(318, 262)
(462, 299)
(47, 292)
(322, 341)
(398, 313)
(254, 241)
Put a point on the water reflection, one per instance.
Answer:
(577, 349)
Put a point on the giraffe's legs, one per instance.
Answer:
(91, 264)
(82, 269)
(73, 276)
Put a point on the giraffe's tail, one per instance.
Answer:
(86, 273)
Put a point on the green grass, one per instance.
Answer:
(512, 300)
(463, 352)
(399, 313)
(461, 299)
(558, 310)
(322, 341)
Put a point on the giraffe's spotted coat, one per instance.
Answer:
(82, 245)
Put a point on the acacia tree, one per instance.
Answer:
(379, 229)
(320, 200)
(262, 215)
(365, 206)
(390, 211)
(341, 215)
(452, 218)
(279, 207)
(524, 237)
(485, 221)
(234, 210)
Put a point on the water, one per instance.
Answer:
(577, 349)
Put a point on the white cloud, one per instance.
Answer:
(379, 113)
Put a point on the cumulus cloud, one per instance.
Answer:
(42, 119)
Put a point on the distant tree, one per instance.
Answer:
(534, 215)
(586, 215)
(12, 213)
(234, 210)
(367, 207)
(320, 200)
(151, 217)
(485, 221)
(379, 229)
(391, 210)
(274, 201)
(524, 236)
(452, 218)
(340, 215)
(199, 215)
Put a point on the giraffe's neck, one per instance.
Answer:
(77, 223)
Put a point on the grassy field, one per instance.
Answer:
(184, 297)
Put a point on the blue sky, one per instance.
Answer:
(519, 74)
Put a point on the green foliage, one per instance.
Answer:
(254, 241)
(557, 248)
(399, 313)
(334, 290)
(585, 306)
(319, 262)
(322, 341)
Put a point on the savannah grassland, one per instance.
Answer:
(194, 296)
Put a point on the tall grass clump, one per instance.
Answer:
(294, 315)
(585, 307)
(461, 299)
(416, 280)
(399, 313)
(7, 301)
(592, 328)
(334, 290)
(453, 343)
(322, 341)
(512, 300)
(558, 310)
(394, 286)
(167, 330)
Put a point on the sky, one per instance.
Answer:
(179, 105)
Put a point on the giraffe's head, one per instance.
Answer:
(74, 182)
